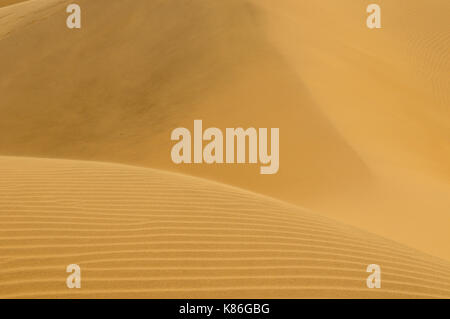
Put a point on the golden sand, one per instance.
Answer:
(364, 118)
(138, 232)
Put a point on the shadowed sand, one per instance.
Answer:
(138, 232)
(363, 114)
(4, 3)
(16, 15)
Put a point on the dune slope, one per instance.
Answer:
(363, 113)
(138, 232)
(4, 3)
(126, 85)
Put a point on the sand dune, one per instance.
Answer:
(386, 93)
(4, 3)
(365, 130)
(22, 14)
(140, 232)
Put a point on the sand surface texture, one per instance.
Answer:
(364, 118)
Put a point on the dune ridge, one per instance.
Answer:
(139, 232)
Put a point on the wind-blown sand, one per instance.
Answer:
(364, 115)
(138, 232)
(4, 3)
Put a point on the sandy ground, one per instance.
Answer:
(138, 232)
(364, 115)
(4, 3)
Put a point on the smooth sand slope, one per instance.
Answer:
(364, 114)
(140, 232)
